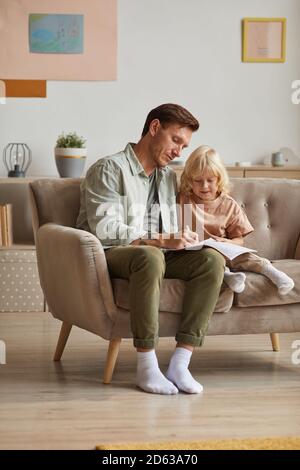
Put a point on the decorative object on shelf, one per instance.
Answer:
(264, 39)
(277, 159)
(70, 155)
(242, 164)
(6, 228)
(17, 158)
(290, 157)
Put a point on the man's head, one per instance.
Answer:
(171, 114)
(168, 129)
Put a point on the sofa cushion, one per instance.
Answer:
(171, 297)
(260, 291)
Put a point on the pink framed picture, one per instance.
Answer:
(264, 39)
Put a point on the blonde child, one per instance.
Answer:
(204, 199)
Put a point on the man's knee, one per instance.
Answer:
(216, 264)
(211, 261)
(150, 259)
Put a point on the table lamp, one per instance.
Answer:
(17, 158)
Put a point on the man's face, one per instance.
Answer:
(167, 143)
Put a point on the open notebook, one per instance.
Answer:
(230, 250)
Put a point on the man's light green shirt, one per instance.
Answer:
(114, 197)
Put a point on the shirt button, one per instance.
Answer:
(266, 204)
(269, 225)
(243, 205)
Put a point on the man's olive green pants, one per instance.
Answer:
(146, 266)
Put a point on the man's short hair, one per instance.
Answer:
(171, 114)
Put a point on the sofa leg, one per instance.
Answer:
(111, 359)
(62, 340)
(275, 341)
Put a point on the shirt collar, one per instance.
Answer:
(134, 163)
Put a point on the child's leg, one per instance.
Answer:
(252, 262)
(234, 280)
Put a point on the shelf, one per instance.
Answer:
(18, 246)
(255, 171)
(27, 179)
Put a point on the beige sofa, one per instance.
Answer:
(74, 277)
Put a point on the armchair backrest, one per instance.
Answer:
(56, 201)
(272, 205)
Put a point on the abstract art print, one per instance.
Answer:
(55, 34)
(68, 40)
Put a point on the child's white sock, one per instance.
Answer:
(179, 373)
(235, 281)
(280, 279)
(149, 376)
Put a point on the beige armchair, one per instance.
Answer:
(78, 290)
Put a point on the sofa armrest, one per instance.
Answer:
(74, 277)
(297, 252)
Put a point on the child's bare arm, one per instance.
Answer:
(236, 240)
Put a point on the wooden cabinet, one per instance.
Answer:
(258, 171)
(273, 172)
(15, 191)
(20, 290)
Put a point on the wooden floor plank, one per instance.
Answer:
(249, 390)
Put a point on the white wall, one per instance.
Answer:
(184, 51)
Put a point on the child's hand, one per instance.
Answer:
(221, 239)
(235, 241)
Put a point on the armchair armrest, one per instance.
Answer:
(75, 279)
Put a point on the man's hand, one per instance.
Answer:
(172, 241)
(191, 237)
(180, 240)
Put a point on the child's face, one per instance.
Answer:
(205, 186)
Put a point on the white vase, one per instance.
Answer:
(70, 161)
(277, 159)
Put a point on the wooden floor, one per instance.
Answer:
(249, 390)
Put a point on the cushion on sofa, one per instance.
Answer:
(260, 291)
(171, 297)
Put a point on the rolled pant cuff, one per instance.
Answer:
(189, 339)
(145, 343)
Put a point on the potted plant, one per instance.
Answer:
(70, 155)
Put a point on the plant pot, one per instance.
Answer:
(70, 161)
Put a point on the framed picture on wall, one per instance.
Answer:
(264, 39)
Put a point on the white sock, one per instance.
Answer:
(149, 377)
(179, 373)
(236, 281)
(283, 282)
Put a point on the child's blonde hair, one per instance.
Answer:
(201, 159)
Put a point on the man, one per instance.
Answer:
(127, 201)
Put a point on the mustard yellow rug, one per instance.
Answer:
(270, 443)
